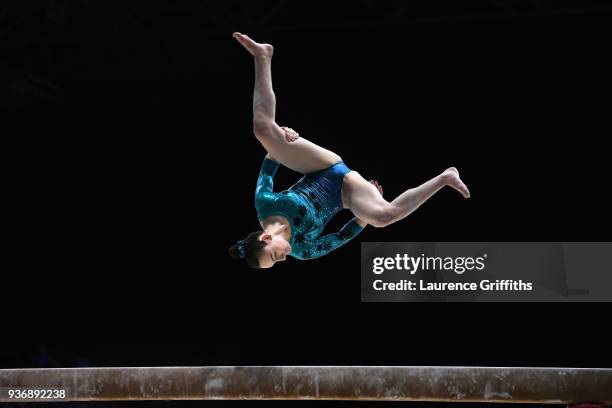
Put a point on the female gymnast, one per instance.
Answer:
(292, 220)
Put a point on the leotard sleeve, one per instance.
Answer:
(327, 243)
(265, 181)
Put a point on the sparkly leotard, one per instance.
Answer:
(308, 206)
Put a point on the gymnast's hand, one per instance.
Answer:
(378, 186)
(290, 134)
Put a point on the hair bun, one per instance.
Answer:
(234, 252)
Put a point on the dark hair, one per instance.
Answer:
(253, 247)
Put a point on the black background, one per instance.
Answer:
(132, 164)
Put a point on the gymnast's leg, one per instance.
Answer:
(302, 155)
(366, 202)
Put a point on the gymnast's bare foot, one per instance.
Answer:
(451, 177)
(256, 49)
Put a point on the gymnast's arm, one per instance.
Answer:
(361, 223)
(265, 180)
(328, 243)
(270, 166)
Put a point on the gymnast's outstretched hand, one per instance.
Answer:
(290, 134)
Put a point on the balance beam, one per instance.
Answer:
(442, 384)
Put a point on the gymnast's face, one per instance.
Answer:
(276, 250)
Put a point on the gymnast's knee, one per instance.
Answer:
(382, 217)
(262, 126)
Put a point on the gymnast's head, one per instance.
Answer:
(261, 249)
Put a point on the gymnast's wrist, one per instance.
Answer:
(271, 158)
(361, 223)
(269, 166)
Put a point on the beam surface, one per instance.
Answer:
(448, 384)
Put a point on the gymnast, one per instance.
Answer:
(292, 220)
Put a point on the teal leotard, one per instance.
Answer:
(308, 206)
